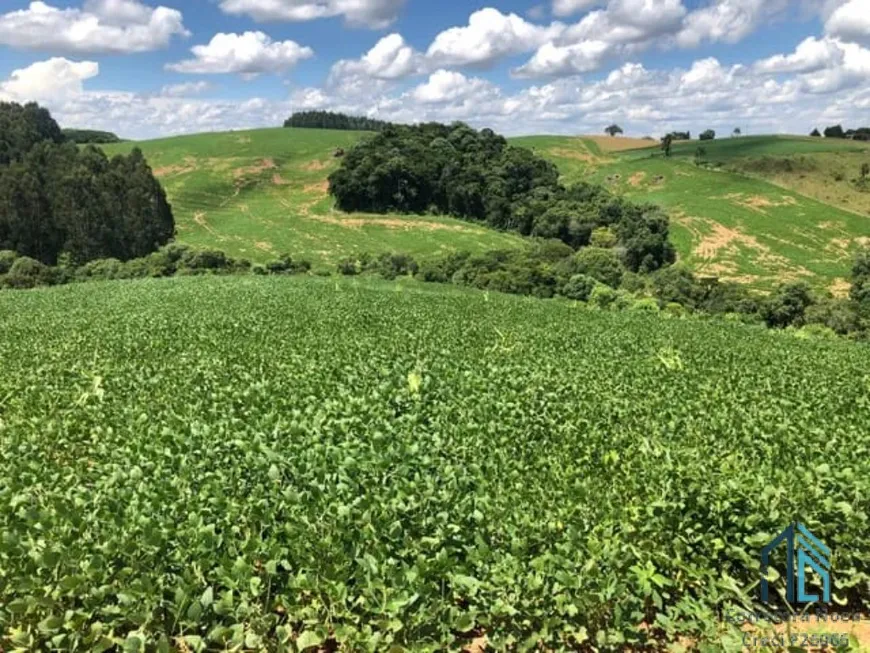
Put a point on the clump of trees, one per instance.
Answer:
(59, 201)
(85, 136)
(613, 130)
(477, 176)
(837, 131)
(330, 120)
(681, 136)
(708, 135)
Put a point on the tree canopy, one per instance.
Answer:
(708, 135)
(85, 136)
(330, 120)
(613, 130)
(56, 198)
(477, 175)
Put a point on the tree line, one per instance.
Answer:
(330, 120)
(477, 176)
(61, 201)
(85, 136)
(837, 131)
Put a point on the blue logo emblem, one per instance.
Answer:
(803, 550)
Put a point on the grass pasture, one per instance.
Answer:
(256, 194)
(373, 466)
(725, 223)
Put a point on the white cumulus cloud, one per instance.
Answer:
(251, 53)
(52, 79)
(489, 36)
(375, 14)
(100, 26)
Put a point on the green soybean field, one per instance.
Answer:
(289, 464)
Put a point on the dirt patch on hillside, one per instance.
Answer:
(190, 164)
(758, 203)
(619, 143)
(576, 155)
(262, 166)
(392, 224)
(637, 179)
(320, 189)
(278, 180)
(840, 288)
(200, 218)
(863, 241)
(264, 246)
(313, 166)
(716, 242)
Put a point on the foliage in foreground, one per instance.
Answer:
(324, 460)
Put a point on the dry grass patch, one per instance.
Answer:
(637, 179)
(619, 143)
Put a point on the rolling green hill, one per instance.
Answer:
(760, 211)
(725, 222)
(256, 194)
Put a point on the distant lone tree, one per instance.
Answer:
(816, 133)
(708, 135)
(667, 142)
(835, 132)
(737, 133)
(613, 130)
(700, 153)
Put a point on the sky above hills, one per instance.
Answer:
(145, 69)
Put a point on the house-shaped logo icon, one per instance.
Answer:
(803, 550)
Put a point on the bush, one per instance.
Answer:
(390, 266)
(603, 237)
(602, 296)
(204, 259)
(646, 304)
(7, 258)
(26, 272)
(599, 263)
(675, 310)
(441, 270)
(839, 315)
(103, 268)
(787, 306)
(579, 287)
(286, 265)
(348, 267)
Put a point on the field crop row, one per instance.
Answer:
(374, 466)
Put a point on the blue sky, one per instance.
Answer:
(145, 68)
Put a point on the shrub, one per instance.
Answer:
(7, 258)
(204, 259)
(259, 270)
(600, 264)
(286, 265)
(645, 304)
(26, 272)
(103, 268)
(441, 270)
(787, 305)
(390, 266)
(348, 267)
(602, 296)
(675, 310)
(579, 287)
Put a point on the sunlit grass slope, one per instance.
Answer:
(256, 194)
(725, 223)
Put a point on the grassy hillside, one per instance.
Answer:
(726, 223)
(412, 466)
(256, 194)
